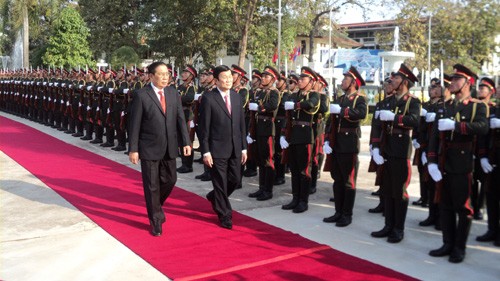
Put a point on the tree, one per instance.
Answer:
(243, 18)
(68, 44)
(125, 55)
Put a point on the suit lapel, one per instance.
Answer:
(153, 96)
(220, 101)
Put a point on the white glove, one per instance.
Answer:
(63, 85)
(99, 88)
(377, 157)
(80, 86)
(283, 143)
(434, 172)
(250, 140)
(423, 112)
(446, 125)
(253, 106)
(424, 158)
(430, 117)
(289, 105)
(197, 96)
(415, 144)
(485, 164)
(44, 83)
(326, 147)
(89, 87)
(334, 108)
(376, 114)
(191, 124)
(386, 115)
(110, 90)
(495, 123)
(125, 91)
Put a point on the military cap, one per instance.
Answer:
(294, 78)
(113, 73)
(282, 76)
(306, 71)
(446, 80)
(91, 71)
(462, 71)
(244, 79)
(405, 72)
(189, 68)
(322, 80)
(488, 83)
(353, 73)
(210, 70)
(101, 71)
(237, 69)
(269, 70)
(256, 74)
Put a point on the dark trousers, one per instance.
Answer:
(455, 201)
(344, 173)
(493, 201)
(226, 174)
(299, 159)
(395, 181)
(158, 180)
(265, 148)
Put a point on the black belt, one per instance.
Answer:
(397, 131)
(348, 130)
(460, 145)
(301, 123)
(265, 118)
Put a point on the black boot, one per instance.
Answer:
(305, 185)
(397, 234)
(268, 185)
(448, 226)
(349, 197)
(463, 228)
(295, 193)
(389, 220)
(487, 237)
(314, 179)
(262, 177)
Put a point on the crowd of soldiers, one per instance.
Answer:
(293, 126)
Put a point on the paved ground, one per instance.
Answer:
(43, 237)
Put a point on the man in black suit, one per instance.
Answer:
(222, 141)
(156, 118)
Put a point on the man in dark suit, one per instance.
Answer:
(222, 141)
(156, 118)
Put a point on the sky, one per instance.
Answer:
(354, 14)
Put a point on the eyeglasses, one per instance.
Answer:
(162, 74)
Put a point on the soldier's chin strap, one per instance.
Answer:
(460, 90)
(400, 83)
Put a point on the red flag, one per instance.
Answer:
(275, 56)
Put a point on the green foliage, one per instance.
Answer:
(68, 44)
(125, 55)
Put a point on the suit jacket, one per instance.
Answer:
(221, 133)
(153, 133)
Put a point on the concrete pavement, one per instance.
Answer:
(43, 237)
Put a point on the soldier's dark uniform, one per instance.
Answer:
(455, 148)
(87, 107)
(187, 92)
(397, 152)
(78, 104)
(346, 132)
(119, 108)
(108, 96)
(489, 148)
(319, 123)
(267, 101)
(299, 134)
(251, 164)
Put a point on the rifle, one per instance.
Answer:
(98, 109)
(251, 129)
(441, 157)
(109, 122)
(331, 138)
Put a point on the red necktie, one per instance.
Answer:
(228, 106)
(162, 101)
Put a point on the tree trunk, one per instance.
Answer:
(314, 23)
(244, 32)
(26, 42)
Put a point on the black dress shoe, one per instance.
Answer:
(77, 135)
(344, 221)
(86, 138)
(301, 207)
(478, 216)
(427, 222)
(457, 255)
(441, 252)
(119, 148)
(417, 203)
(332, 199)
(376, 193)
(249, 173)
(333, 218)
(96, 141)
(156, 229)
(376, 210)
(396, 236)
(226, 223)
(384, 232)
(279, 181)
(184, 170)
(256, 193)
(107, 144)
(291, 205)
(424, 205)
(208, 177)
(265, 196)
(198, 177)
(487, 237)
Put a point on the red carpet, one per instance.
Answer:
(192, 246)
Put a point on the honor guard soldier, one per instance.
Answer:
(96, 115)
(440, 97)
(251, 164)
(187, 92)
(319, 131)
(238, 74)
(452, 142)
(119, 106)
(108, 96)
(279, 123)
(402, 115)
(489, 157)
(298, 139)
(87, 104)
(78, 104)
(342, 143)
(265, 108)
